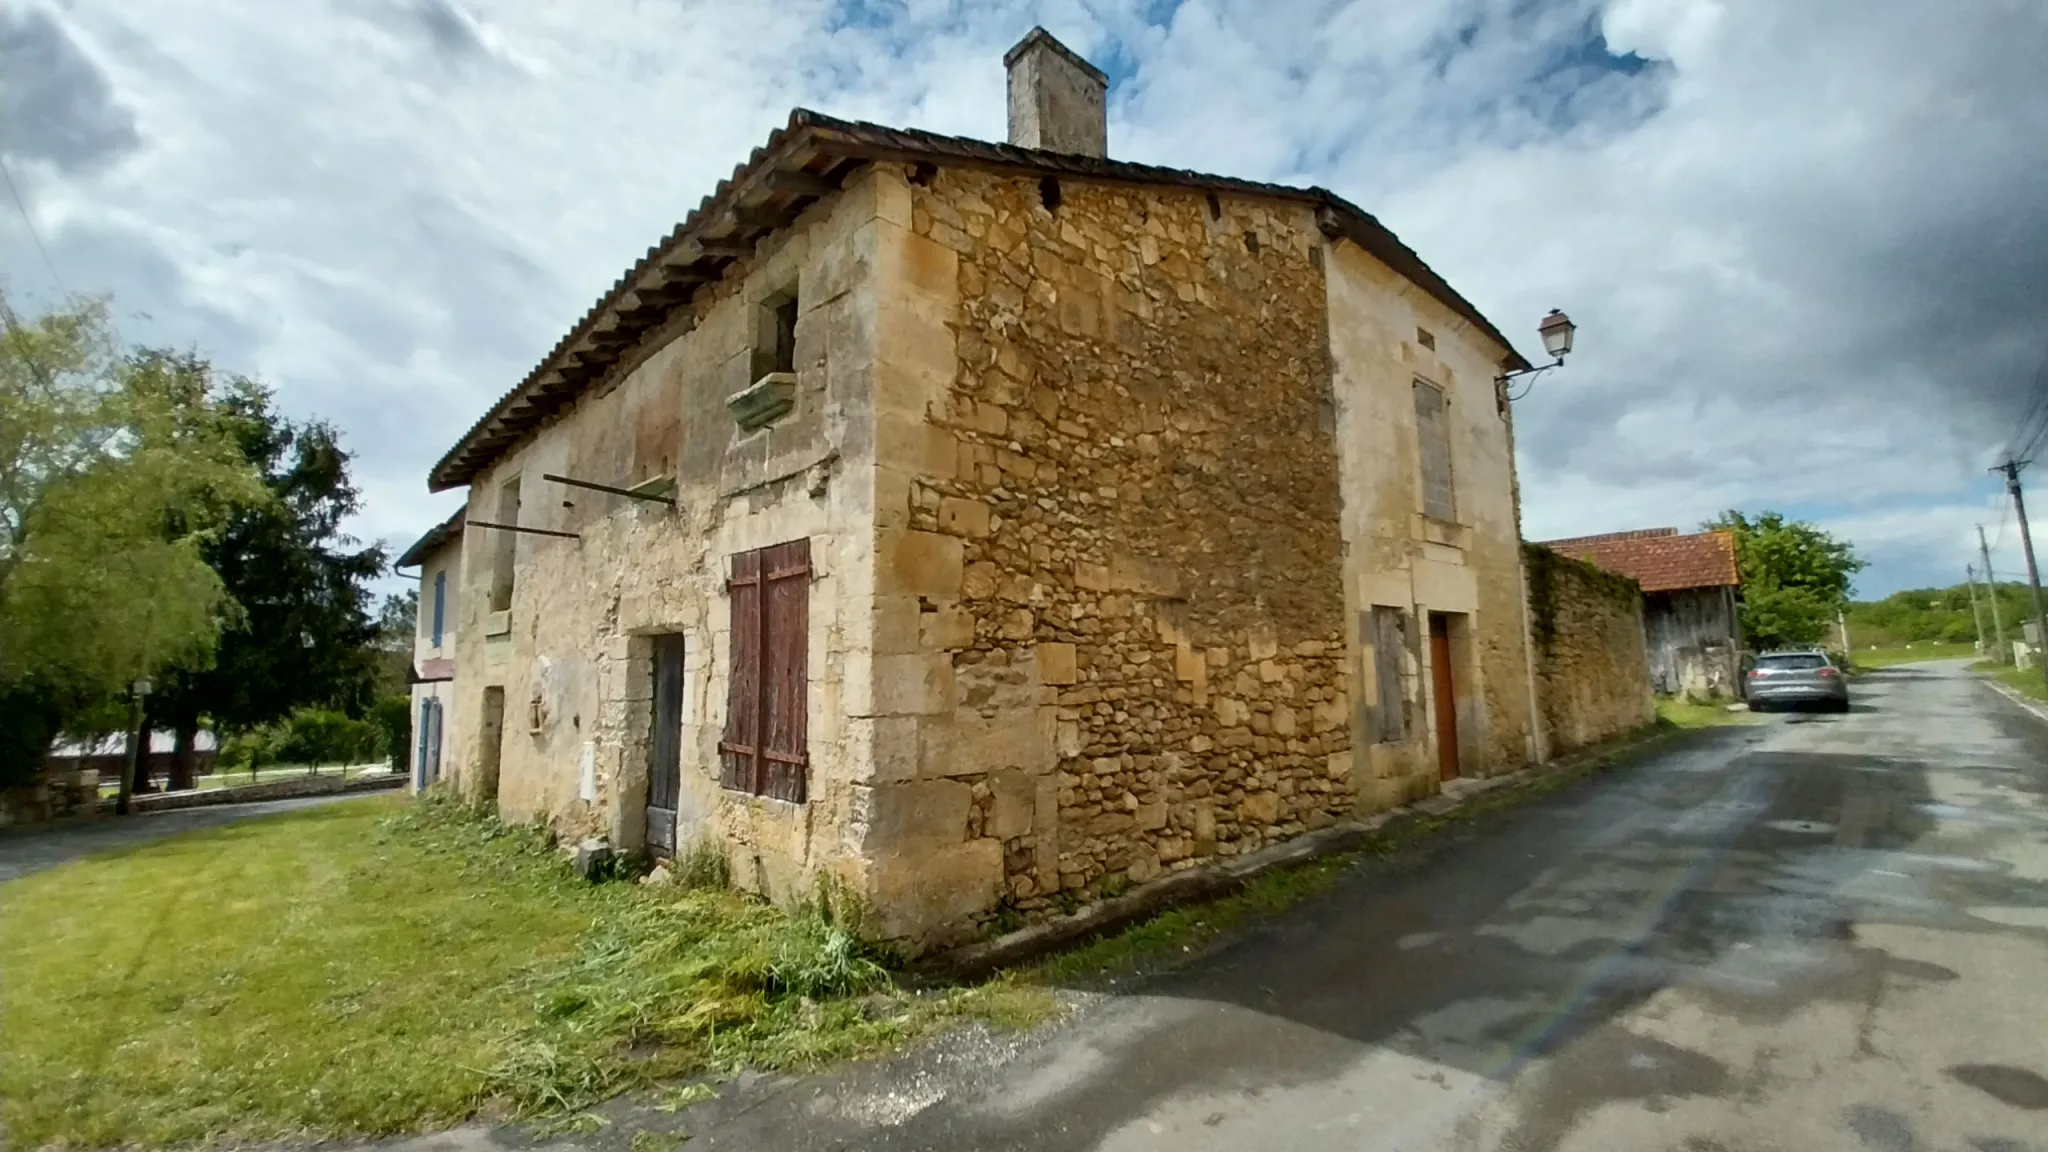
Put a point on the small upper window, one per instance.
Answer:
(783, 337)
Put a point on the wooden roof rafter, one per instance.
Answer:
(799, 164)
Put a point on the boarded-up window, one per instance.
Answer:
(1433, 442)
(764, 750)
(1389, 642)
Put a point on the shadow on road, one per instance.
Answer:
(1488, 949)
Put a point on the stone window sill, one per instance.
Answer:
(763, 402)
(498, 623)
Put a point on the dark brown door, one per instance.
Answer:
(665, 766)
(1443, 695)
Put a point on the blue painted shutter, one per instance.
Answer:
(419, 767)
(440, 600)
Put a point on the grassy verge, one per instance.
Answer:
(374, 967)
(2027, 683)
(242, 779)
(1683, 712)
(1865, 659)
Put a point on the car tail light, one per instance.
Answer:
(1824, 672)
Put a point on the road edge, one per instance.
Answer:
(2038, 711)
(1227, 877)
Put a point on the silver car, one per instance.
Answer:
(1797, 679)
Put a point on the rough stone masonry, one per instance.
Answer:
(1151, 518)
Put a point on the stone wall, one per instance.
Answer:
(1116, 602)
(1592, 667)
(59, 795)
(573, 653)
(330, 784)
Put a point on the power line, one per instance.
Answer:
(22, 207)
(2026, 442)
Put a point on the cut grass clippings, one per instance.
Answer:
(381, 965)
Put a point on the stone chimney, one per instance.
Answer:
(1057, 99)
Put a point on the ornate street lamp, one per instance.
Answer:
(1556, 330)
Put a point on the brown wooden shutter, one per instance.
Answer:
(786, 576)
(740, 749)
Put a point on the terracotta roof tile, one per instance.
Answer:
(1659, 558)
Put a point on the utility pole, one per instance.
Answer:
(2011, 468)
(138, 745)
(1842, 622)
(1991, 587)
(1976, 611)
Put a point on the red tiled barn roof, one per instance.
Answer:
(1659, 558)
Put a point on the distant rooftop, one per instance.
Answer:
(1659, 558)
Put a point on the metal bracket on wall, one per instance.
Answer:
(521, 528)
(629, 493)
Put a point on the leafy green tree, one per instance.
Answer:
(397, 627)
(1795, 577)
(304, 637)
(111, 489)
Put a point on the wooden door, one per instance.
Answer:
(1443, 695)
(665, 743)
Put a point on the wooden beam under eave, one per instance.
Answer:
(728, 248)
(801, 183)
(767, 217)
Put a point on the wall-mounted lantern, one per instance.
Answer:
(1557, 331)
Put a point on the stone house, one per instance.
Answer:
(1691, 603)
(982, 527)
(438, 556)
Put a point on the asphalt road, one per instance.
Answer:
(1825, 932)
(32, 849)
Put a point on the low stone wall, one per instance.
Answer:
(58, 796)
(250, 793)
(1592, 664)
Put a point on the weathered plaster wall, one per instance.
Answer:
(1592, 671)
(1397, 557)
(1111, 608)
(573, 653)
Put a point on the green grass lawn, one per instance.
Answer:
(241, 779)
(1866, 659)
(1681, 712)
(2027, 683)
(377, 966)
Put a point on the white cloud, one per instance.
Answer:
(1803, 241)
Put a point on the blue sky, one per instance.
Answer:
(1802, 241)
